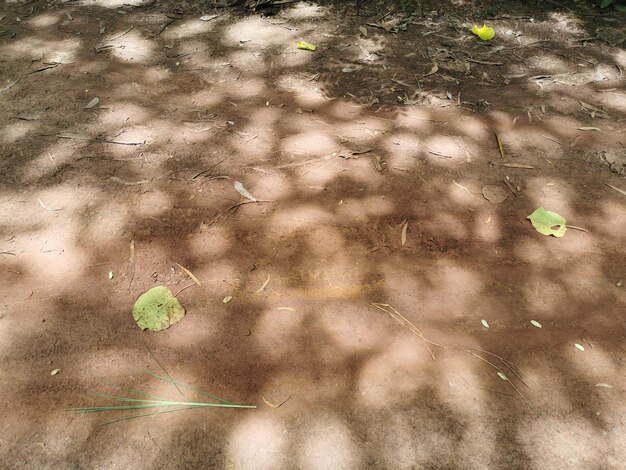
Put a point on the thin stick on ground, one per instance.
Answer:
(509, 382)
(163, 368)
(392, 312)
(234, 207)
(190, 274)
(184, 288)
(574, 227)
(407, 324)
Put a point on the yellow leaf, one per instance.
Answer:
(485, 33)
(307, 46)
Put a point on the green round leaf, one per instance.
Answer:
(157, 309)
(548, 223)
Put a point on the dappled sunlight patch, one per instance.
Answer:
(566, 24)
(619, 56)
(36, 48)
(545, 296)
(292, 59)
(267, 117)
(401, 146)
(309, 97)
(17, 130)
(600, 366)
(300, 217)
(317, 177)
(250, 62)
(257, 441)
(306, 11)
(452, 225)
(120, 114)
(343, 110)
(541, 142)
(466, 192)
(547, 64)
(95, 67)
(280, 324)
(20, 214)
(459, 384)
(53, 255)
(188, 29)
(416, 119)
(69, 197)
(107, 221)
(615, 101)
(128, 137)
(308, 144)
(338, 277)
(610, 220)
(133, 47)
(325, 243)
(152, 203)
(271, 186)
(551, 193)
(137, 92)
(44, 20)
(362, 210)
(207, 97)
(122, 363)
(252, 90)
(353, 326)
(440, 291)
(169, 133)
(395, 374)
(220, 277)
(473, 128)
(156, 75)
(487, 226)
(502, 119)
(575, 447)
(578, 243)
(253, 31)
(444, 145)
(112, 3)
(213, 242)
(327, 443)
(532, 249)
(423, 436)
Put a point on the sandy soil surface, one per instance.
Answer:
(380, 190)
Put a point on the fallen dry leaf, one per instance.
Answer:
(495, 194)
(405, 226)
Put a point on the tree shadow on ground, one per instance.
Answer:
(344, 150)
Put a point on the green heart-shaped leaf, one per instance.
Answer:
(548, 223)
(157, 309)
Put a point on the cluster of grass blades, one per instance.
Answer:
(163, 405)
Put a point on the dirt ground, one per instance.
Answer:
(371, 159)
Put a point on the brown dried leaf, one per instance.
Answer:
(495, 194)
(405, 226)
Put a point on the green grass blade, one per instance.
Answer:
(162, 404)
(141, 400)
(173, 382)
(126, 389)
(154, 413)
